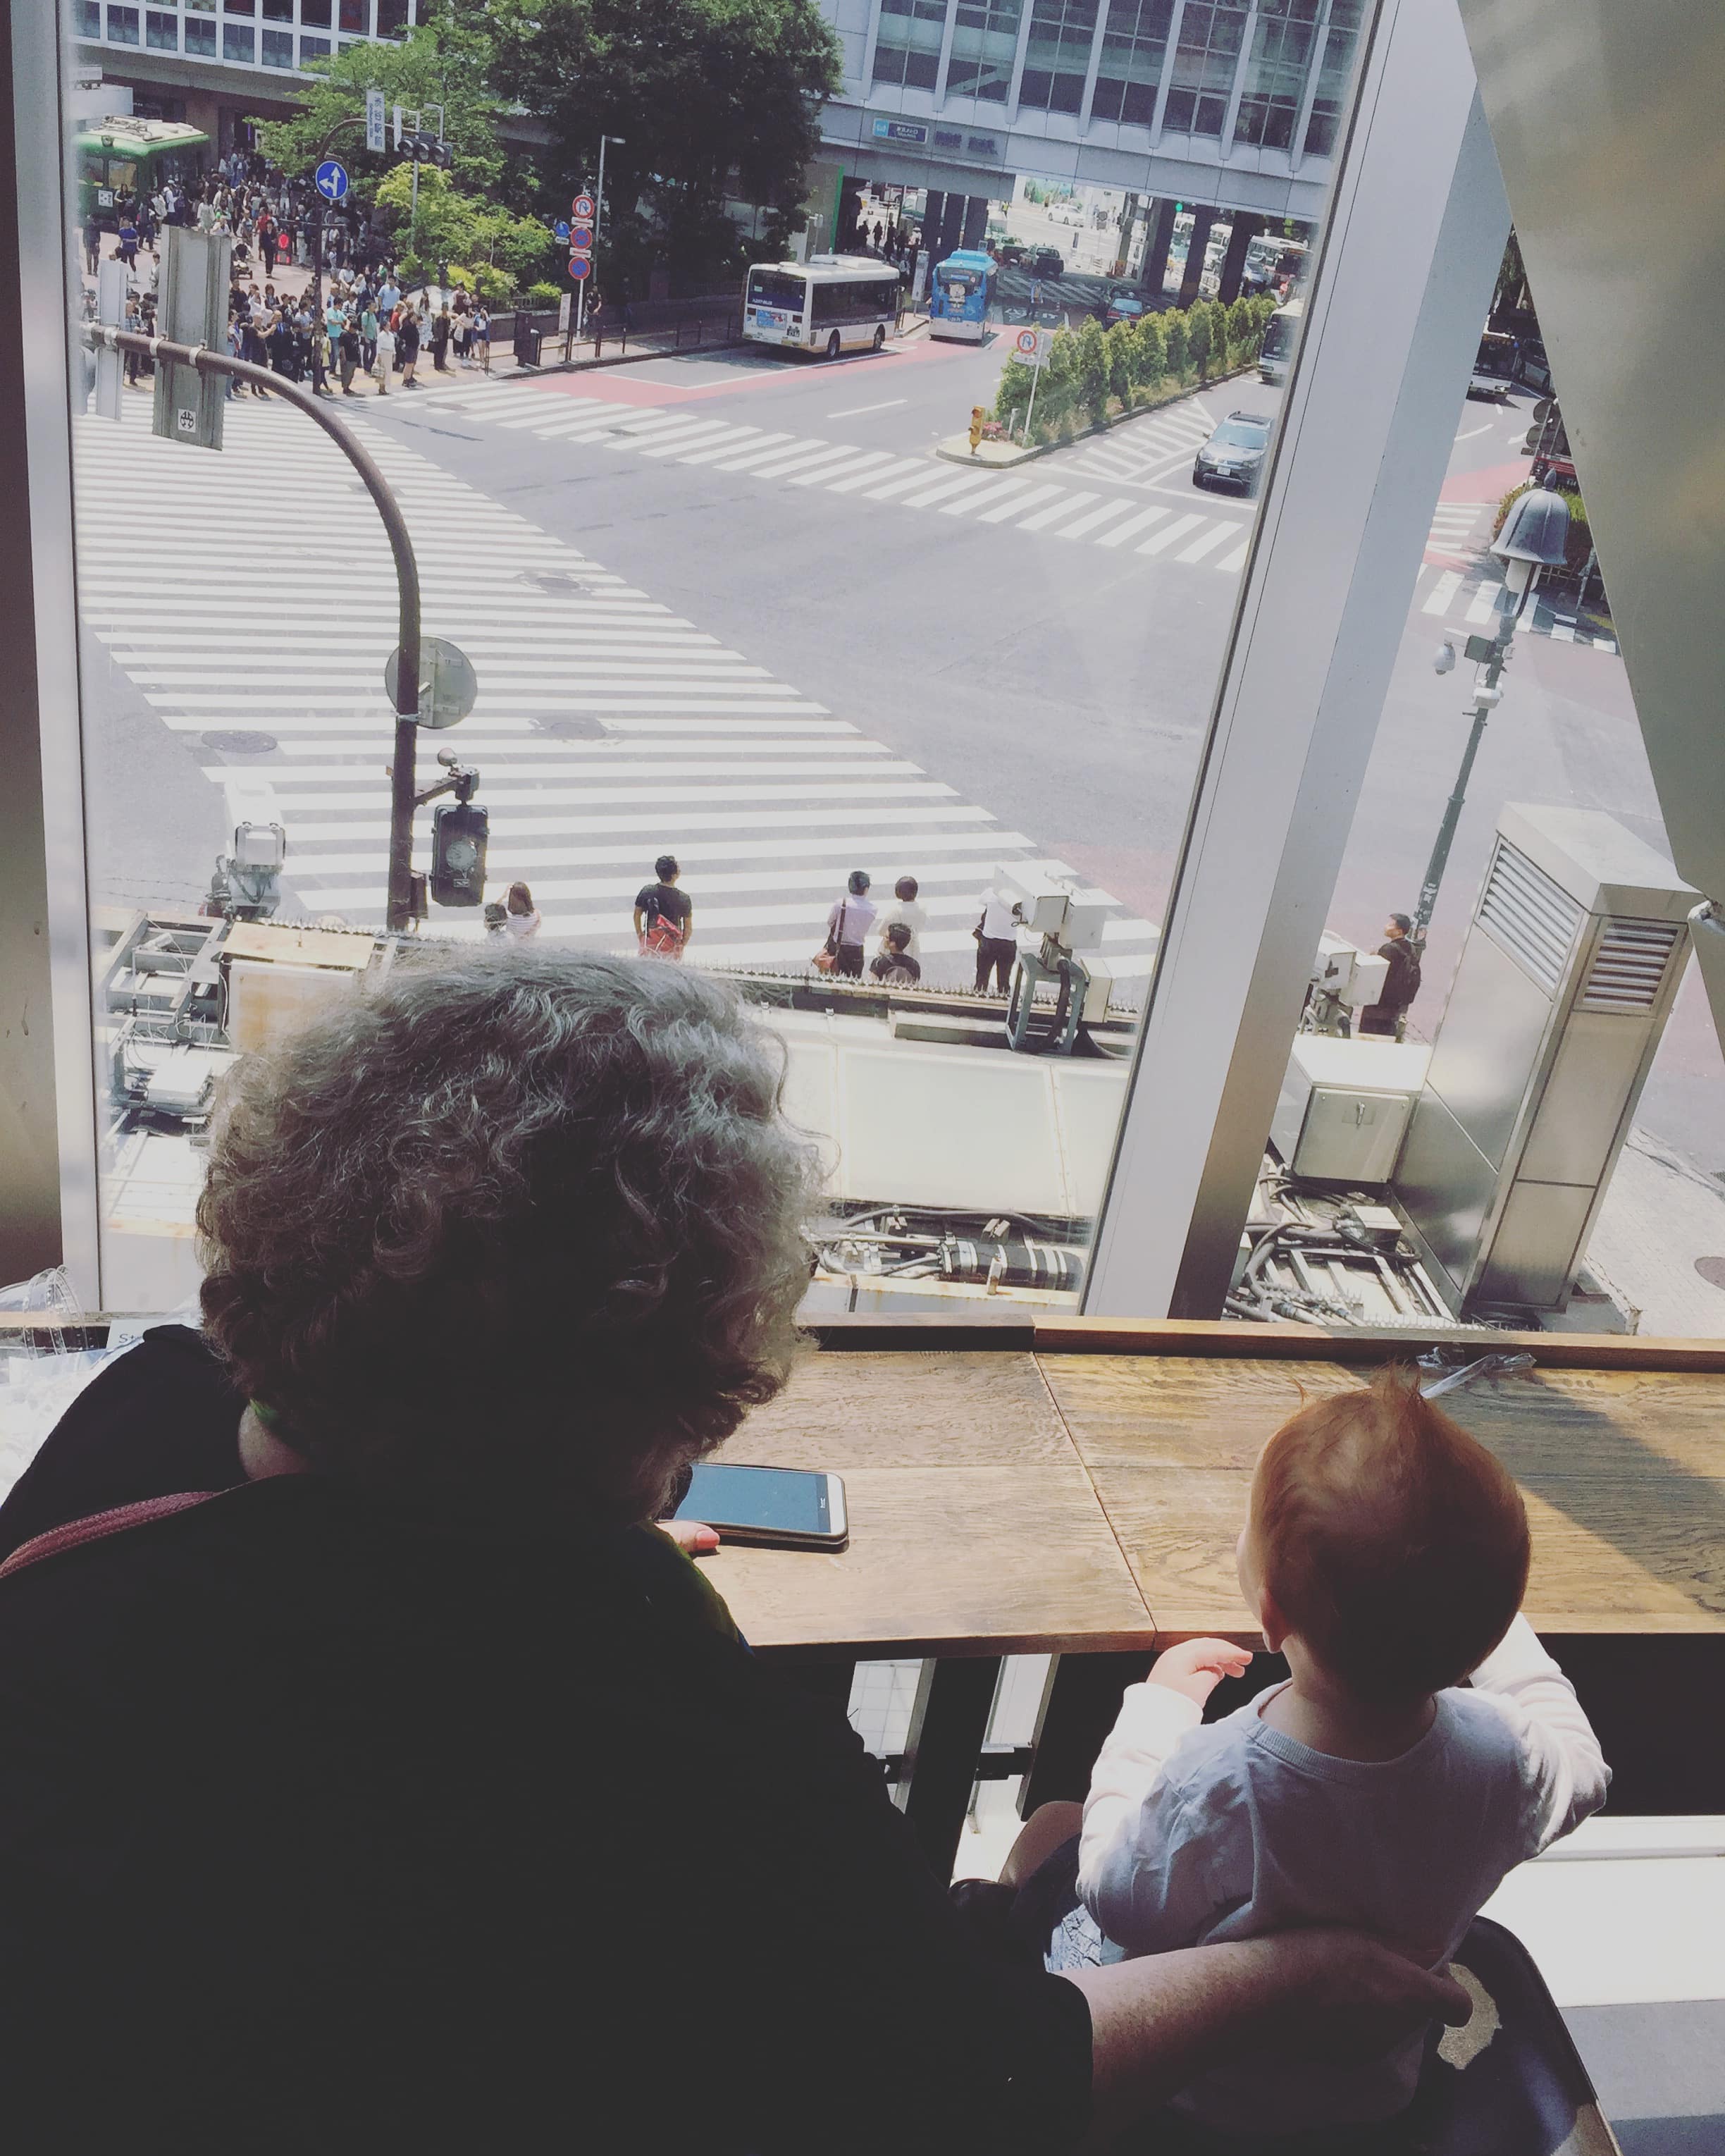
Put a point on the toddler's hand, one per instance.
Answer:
(1197, 1666)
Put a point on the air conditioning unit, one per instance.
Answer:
(1577, 945)
(1345, 1105)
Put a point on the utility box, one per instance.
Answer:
(1345, 1106)
(1577, 942)
(191, 308)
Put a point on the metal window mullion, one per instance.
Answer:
(1230, 119)
(1017, 61)
(871, 39)
(946, 58)
(1414, 241)
(1308, 96)
(1170, 53)
(1095, 67)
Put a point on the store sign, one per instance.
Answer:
(982, 146)
(900, 131)
(947, 138)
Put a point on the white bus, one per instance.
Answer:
(1281, 333)
(831, 303)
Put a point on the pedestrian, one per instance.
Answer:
(283, 349)
(663, 915)
(595, 308)
(321, 361)
(383, 357)
(93, 242)
(904, 912)
(895, 968)
(128, 246)
(482, 336)
(368, 334)
(236, 349)
(849, 920)
(132, 319)
(350, 354)
(407, 344)
(496, 922)
(521, 915)
(1387, 1017)
(267, 236)
(997, 941)
(441, 330)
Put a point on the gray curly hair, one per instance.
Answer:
(520, 1229)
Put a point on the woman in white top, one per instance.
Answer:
(521, 917)
(384, 363)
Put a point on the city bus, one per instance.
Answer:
(1281, 333)
(831, 303)
(959, 301)
(122, 156)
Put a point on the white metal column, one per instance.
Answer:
(1414, 239)
(47, 1190)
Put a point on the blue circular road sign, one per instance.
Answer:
(580, 266)
(563, 228)
(330, 180)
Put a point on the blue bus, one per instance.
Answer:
(958, 303)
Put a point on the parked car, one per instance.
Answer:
(1532, 366)
(1009, 253)
(1047, 262)
(1123, 304)
(1233, 455)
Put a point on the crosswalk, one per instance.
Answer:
(1469, 601)
(1026, 500)
(1454, 528)
(608, 729)
(1151, 448)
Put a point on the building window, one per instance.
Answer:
(200, 39)
(356, 15)
(201, 7)
(1333, 73)
(313, 49)
(984, 45)
(123, 26)
(1057, 57)
(162, 31)
(392, 18)
(907, 46)
(1134, 45)
(278, 11)
(240, 44)
(314, 14)
(239, 7)
(1204, 61)
(1275, 72)
(278, 48)
(88, 17)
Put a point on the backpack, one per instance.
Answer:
(662, 937)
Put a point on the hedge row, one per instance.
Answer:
(1092, 372)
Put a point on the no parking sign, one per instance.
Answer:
(1030, 347)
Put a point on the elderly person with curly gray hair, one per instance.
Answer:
(412, 1792)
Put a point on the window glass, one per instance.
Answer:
(239, 7)
(990, 687)
(314, 14)
(985, 41)
(200, 39)
(1134, 43)
(391, 18)
(123, 26)
(162, 31)
(278, 48)
(1282, 42)
(1204, 61)
(1341, 41)
(907, 45)
(1057, 56)
(278, 11)
(313, 49)
(356, 15)
(87, 15)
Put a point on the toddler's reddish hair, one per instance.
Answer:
(1392, 1542)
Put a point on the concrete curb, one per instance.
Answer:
(956, 449)
(636, 358)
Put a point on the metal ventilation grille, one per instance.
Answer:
(1534, 919)
(1628, 965)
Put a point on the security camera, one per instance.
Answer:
(1445, 661)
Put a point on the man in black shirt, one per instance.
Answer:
(665, 916)
(1401, 983)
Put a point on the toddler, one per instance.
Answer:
(1424, 1745)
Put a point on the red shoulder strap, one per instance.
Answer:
(95, 1526)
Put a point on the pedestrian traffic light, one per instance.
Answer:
(459, 834)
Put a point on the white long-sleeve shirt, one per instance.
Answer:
(1195, 1833)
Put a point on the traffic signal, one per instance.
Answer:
(425, 148)
(459, 834)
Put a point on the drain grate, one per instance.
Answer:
(241, 743)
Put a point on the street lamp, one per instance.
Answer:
(1533, 538)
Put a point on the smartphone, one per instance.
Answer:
(784, 1508)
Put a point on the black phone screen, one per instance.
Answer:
(791, 1500)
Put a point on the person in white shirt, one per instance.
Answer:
(520, 917)
(904, 911)
(1386, 1554)
(997, 941)
(849, 920)
(384, 363)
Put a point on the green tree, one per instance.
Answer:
(1092, 370)
(1152, 351)
(1012, 398)
(1123, 361)
(447, 61)
(711, 97)
(452, 226)
(1197, 337)
(1174, 343)
(1239, 332)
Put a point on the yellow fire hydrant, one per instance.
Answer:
(977, 417)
